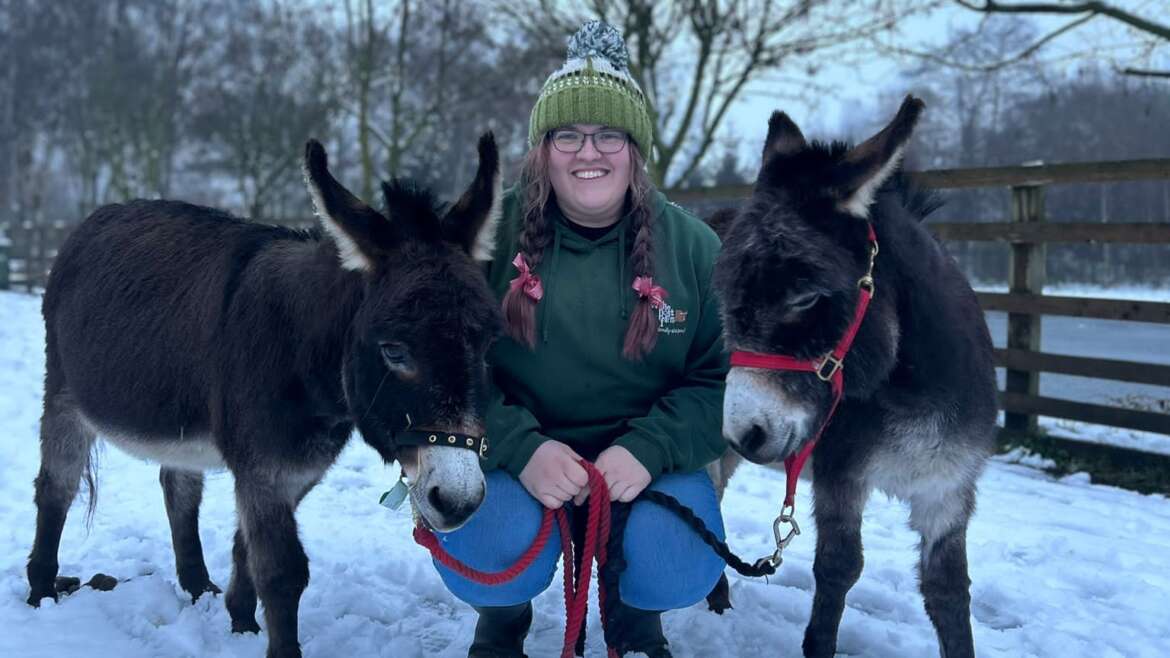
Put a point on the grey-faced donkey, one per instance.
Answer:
(184, 335)
(918, 410)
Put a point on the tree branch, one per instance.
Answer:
(1145, 73)
(995, 66)
(1102, 8)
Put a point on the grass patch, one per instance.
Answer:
(1139, 471)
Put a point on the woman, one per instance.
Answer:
(613, 355)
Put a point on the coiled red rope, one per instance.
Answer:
(576, 585)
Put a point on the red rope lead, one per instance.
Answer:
(596, 538)
(427, 539)
(576, 588)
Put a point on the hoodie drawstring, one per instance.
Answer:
(622, 296)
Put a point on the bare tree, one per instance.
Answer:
(1150, 38)
(694, 59)
(33, 73)
(254, 115)
(121, 115)
(423, 79)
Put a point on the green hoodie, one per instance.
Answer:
(575, 386)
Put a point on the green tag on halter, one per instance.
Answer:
(394, 498)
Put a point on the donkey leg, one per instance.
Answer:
(183, 492)
(838, 506)
(942, 567)
(241, 594)
(276, 559)
(65, 446)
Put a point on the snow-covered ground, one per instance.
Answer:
(1059, 567)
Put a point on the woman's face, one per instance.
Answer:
(590, 185)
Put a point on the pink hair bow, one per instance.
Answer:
(646, 289)
(527, 281)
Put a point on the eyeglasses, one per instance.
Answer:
(605, 141)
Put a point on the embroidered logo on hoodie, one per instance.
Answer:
(671, 320)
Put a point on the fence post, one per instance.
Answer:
(5, 253)
(1026, 274)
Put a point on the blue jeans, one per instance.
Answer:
(669, 566)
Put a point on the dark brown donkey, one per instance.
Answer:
(198, 340)
(918, 415)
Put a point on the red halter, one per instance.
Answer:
(828, 368)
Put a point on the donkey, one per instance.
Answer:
(195, 339)
(917, 417)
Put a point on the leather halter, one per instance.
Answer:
(415, 437)
(479, 444)
(830, 369)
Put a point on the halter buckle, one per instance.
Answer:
(836, 363)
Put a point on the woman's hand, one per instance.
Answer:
(553, 475)
(625, 475)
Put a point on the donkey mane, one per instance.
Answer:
(417, 205)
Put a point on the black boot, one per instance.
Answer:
(638, 630)
(500, 631)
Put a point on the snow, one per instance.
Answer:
(1122, 291)
(1059, 566)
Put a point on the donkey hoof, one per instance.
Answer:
(66, 584)
(199, 589)
(102, 583)
(285, 652)
(245, 626)
(208, 588)
(35, 596)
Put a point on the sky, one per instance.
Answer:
(858, 81)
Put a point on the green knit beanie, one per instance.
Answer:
(594, 86)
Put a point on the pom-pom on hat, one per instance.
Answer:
(594, 86)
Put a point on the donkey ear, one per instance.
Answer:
(472, 222)
(784, 137)
(362, 235)
(864, 168)
(720, 221)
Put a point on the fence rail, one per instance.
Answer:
(1079, 307)
(1137, 233)
(28, 252)
(1154, 374)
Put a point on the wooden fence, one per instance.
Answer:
(27, 251)
(26, 259)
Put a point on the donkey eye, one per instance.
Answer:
(803, 301)
(395, 354)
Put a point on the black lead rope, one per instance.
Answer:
(615, 561)
(720, 547)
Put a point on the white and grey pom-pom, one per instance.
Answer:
(600, 39)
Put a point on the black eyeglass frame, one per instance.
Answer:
(551, 136)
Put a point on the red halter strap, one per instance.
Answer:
(828, 368)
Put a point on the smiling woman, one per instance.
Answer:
(613, 356)
(589, 168)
